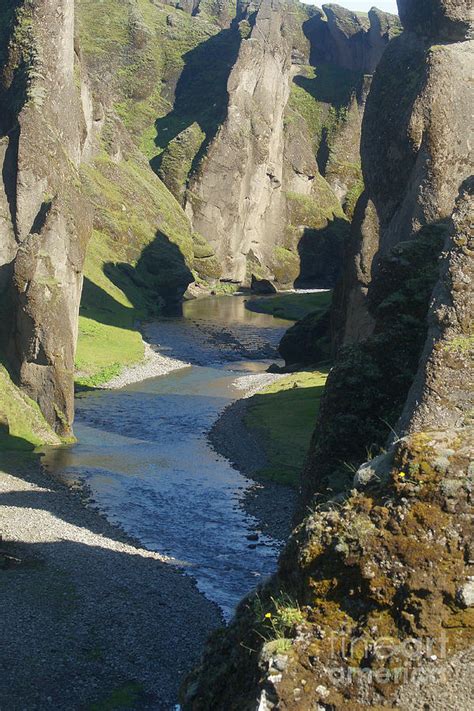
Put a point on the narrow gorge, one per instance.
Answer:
(236, 248)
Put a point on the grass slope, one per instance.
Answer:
(292, 307)
(283, 415)
(142, 251)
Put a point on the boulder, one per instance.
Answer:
(262, 286)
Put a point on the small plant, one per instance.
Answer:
(278, 622)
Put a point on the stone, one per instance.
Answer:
(375, 472)
(465, 595)
(262, 286)
(276, 206)
(51, 220)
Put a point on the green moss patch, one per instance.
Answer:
(128, 696)
(22, 426)
(284, 415)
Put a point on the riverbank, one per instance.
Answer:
(266, 435)
(89, 616)
(154, 364)
(292, 306)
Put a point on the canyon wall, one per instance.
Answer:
(381, 559)
(45, 219)
(122, 116)
(270, 193)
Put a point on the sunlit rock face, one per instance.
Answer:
(270, 184)
(45, 220)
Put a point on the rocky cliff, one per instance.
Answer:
(45, 220)
(407, 188)
(372, 605)
(269, 195)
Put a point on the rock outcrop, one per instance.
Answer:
(260, 196)
(350, 39)
(372, 600)
(45, 220)
(407, 187)
(236, 200)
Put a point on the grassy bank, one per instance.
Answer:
(283, 415)
(292, 307)
(22, 426)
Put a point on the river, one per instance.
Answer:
(144, 454)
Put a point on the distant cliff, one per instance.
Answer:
(381, 560)
(276, 186)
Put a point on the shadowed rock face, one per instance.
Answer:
(445, 20)
(46, 226)
(351, 40)
(419, 88)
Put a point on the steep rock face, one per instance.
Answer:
(277, 212)
(385, 552)
(447, 20)
(442, 392)
(156, 75)
(349, 39)
(47, 223)
(416, 87)
(239, 191)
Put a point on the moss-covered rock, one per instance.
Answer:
(22, 426)
(177, 160)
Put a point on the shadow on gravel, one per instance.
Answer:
(88, 621)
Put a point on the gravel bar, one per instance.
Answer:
(88, 614)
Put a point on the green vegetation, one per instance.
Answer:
(292, 307)
(285, 265)
(142, 252)
(138, 226)
(275, 621)
(284, 415)
(460, 344)
(352, 197)
(153, 51)
(22, 426)
(315, 210)
(321, 96)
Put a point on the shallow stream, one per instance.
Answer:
(144, 454)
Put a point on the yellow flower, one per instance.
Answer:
(402, 475)
(268, 616)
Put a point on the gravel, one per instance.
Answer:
(271, 503)
(85, 609)
(446, 685)
(153, 365)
